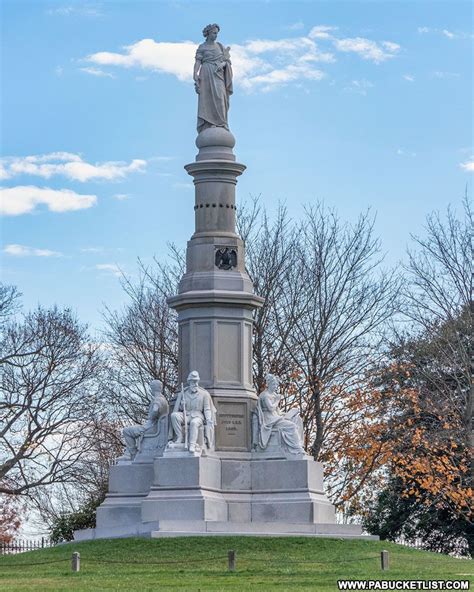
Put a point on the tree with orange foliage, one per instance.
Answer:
(428, 386)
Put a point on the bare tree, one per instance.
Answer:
(9, 302)
(327, 302)
(47, 379)
(340, 300)
(439, 306)
(440, 269)
(271, 251)
(142, 341)
(102, 444)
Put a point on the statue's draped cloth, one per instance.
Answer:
(289, 425)
(215, 86)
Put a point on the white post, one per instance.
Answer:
(231, 560)
(76, 562)
(384, 560)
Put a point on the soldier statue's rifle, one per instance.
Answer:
(184, 417)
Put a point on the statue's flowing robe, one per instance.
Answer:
(269, 418)
(215, 86)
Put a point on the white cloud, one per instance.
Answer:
(296, 26)
(250, 70)
(59, 71)
(409, 77)
(97, 72)
(258, 64)
(61, 156)
(268, 81)
(402, 152)
(468, 166)
(112, 268)
(171, 58)
(121, 196)
(367, 49)
(295, 50)
(321, 32)
(359, 87)
(445, 33)
(68, 165)
(160, 158)
(391, 46)
(448, 34)
(293, 45)
(23, 251)
(4, 174)
(89, 10)
(25, 199)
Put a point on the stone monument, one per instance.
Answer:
(233, 462)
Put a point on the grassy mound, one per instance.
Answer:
(200, 563)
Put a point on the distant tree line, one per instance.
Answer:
(378, 361)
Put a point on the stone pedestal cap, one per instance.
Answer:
(215, 143)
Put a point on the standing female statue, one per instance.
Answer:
(213, 80)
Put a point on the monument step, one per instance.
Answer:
(157, 534)
(177, 528)
(264, 528)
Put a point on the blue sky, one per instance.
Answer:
(362, 104)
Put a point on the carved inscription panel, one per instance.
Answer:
(232, 426)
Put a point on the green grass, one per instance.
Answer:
(200, 563)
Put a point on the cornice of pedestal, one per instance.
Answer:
(218, 235)
(215, 298)
(215, 167)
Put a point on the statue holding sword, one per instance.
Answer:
(193, 409)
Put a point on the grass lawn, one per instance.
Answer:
(200, 563)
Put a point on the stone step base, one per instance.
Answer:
(157, 534)
(170, 528)
(215, 527)
(177, 528)
(114, 532)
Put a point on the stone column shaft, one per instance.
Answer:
(215, 300)
(215, 197)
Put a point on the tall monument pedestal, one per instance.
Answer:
(215, 300)
(233, 489)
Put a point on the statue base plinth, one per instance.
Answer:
(222, 494)
(179, 450)
(215, 143)
(185, 489)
